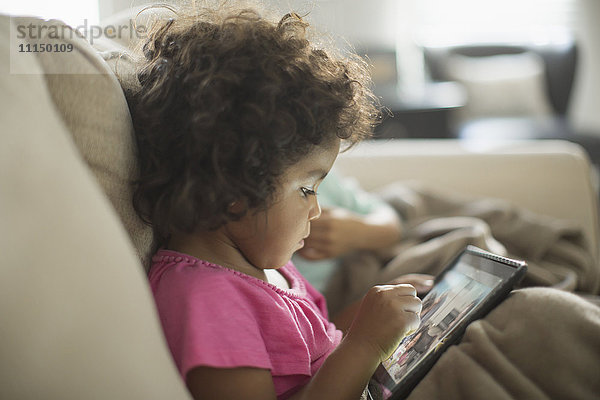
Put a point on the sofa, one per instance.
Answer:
(519, 91)
(78, 318)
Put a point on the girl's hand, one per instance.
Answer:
(387, 314)
(422, 282)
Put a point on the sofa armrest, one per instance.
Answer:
(552, 178)
(78, 317)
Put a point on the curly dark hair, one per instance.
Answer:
(227, 101)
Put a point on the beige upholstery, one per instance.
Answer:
(78, 320)
(92, 105)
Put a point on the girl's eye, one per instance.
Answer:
(308, 192)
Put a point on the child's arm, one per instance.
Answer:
(386, 314)
(230, 383)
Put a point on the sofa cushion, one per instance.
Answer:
(505, 85)
(77, 316)
(91, 103)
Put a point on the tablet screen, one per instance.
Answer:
(458, 293)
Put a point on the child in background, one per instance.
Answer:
(238, 119)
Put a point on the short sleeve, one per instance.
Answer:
(203, 327)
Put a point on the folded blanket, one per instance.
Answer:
(438, 225)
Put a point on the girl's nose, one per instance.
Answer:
(315, 209)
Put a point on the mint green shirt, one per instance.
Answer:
(335, 191)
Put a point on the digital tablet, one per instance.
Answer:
(473, 284)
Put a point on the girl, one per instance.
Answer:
(238, 120)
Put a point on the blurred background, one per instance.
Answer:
(478, 70)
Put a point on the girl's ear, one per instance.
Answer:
(237, 207)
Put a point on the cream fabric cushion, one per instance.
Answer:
(501, 86)
(77, 314)
(92, 105)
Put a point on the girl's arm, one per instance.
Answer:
(344, 375)
(386, 314)
(230, 383)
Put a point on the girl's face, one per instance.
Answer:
(268, 239)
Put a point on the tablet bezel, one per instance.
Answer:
(508, 270)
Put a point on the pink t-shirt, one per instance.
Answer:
(215, 316)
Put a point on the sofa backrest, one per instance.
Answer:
(78, 319)
(90, 101)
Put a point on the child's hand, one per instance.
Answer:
(422, 282)
(338, 231)
(332, 234)
(387, 314)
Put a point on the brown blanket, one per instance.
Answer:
(437, 226)
(540, 343)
